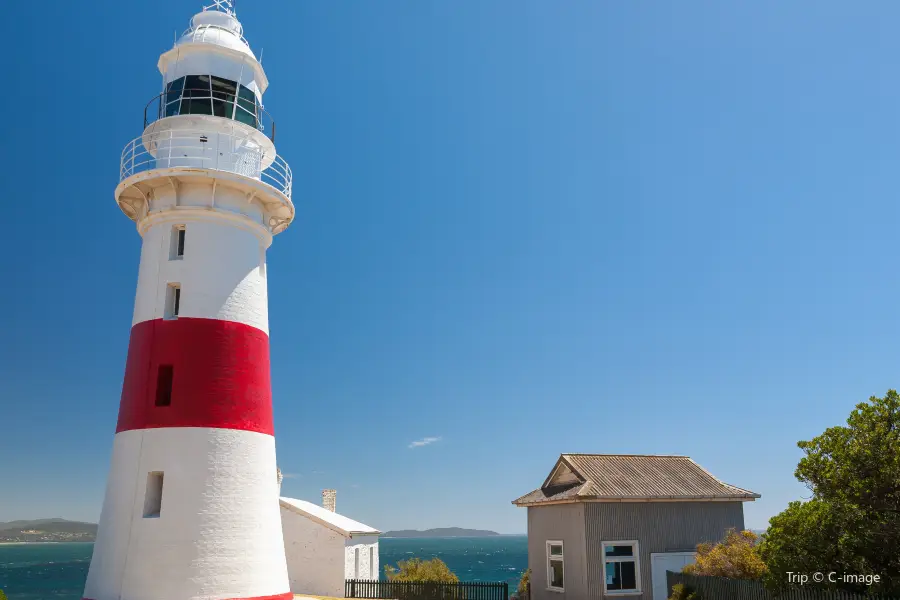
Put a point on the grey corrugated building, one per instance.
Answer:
(611, 525)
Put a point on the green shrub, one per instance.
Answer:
(680, 592)
(416, 569)
(736, 557)
(524, 590)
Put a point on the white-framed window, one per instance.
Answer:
(621, 568)
(153, 495)
(173, 301)
(176, 243)
(555, 566)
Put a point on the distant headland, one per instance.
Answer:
(439, 533)
(47, 530)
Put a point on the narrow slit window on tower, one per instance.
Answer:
(153, 495)
(173, 300)
(176, 250)
(164, 377)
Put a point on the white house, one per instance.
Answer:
(323, 548)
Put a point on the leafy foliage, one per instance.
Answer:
(416, 569)
(736, 557)
(2, 595)
(523, 592)
(681, 592)
(852, 523)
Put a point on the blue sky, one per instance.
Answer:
(524, 228)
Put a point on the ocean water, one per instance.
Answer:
(58, 571)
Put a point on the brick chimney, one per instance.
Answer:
(328, 499)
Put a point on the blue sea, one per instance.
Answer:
(58, 571)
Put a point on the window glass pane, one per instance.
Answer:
(224, 85)
(246, 93)
(196, 86)
(621, 575)
(555, 550)
(245, 117)
(556, 573)
(175, 87)
(223, 108)
(619, 550)
(629, 580)
(247, 105)
(172, 108)
(196, 106)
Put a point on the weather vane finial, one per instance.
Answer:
(226, 6)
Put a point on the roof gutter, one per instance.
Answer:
(626, 499)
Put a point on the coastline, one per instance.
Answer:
(42, 543)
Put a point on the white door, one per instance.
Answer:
(666, 561)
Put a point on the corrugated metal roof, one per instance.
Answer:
(339, 523)
(633, 477)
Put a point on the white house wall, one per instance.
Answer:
(367, 570)
(315, 556)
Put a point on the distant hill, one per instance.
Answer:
(439, 532)
(47, 530)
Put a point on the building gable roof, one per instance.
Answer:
(631, 477)
(345, 526)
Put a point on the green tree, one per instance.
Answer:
(736, 557)
(851, 525)
(416, 569)
(524, 590)
(2, 595)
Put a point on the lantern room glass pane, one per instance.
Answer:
(211, 95)
(196, 86)
(244, 117)
(196, 106)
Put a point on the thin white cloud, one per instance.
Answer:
(291, 475)
(424, 442)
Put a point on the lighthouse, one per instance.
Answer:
(191, 508)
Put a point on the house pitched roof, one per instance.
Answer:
(345, 526)
(630, 477)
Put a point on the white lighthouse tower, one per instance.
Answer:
(191, 509)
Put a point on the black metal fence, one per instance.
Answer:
(720, 588)
(426, 590)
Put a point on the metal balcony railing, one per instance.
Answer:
(233, 153)
(200, 33)
(204, 101)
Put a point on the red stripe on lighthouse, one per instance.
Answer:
(219, 376)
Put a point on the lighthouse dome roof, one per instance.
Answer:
(218, 28)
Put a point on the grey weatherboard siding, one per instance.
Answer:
(557, 522)
(582, 526)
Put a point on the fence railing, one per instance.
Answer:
(233, 153)
(212, 102)
(720, 588)
(426, 590)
